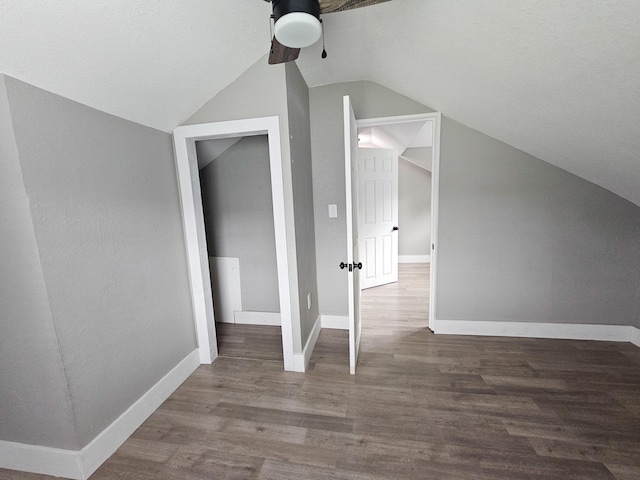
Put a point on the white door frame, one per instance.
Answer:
(435, 192)
(185, 138)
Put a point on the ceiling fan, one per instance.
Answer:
(297, 24)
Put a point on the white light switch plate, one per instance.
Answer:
(333, 211)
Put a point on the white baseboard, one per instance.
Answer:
(414, 259)
(301, 360)
(635, 336)
(81, 464)
(567, 331)
(258, 318)
(334, 321)
(41, 460)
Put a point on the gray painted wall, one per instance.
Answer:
(414, 209)
(34, 398)
(259, 92)
(523, 240)
(106, 219)
(369, 100)
(421, 156)
(238, 214)
(300, 136)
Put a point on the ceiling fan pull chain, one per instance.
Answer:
(271, 26)
(324, 51)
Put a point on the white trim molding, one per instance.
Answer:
(80, 464)
(41, 460)
(301, 360)
(566, 331)
(184, 138)
(414, 258)
(337, 322)
(635, 336)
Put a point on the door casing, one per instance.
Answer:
(436, 119)
(185, 138)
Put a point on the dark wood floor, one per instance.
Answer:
(420, 407)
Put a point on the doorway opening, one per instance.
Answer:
(415, 140)
(185, 139)
(238, 217)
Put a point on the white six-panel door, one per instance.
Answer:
(378, 216)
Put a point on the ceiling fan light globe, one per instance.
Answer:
(297, 30)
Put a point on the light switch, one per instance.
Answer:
(333, 211)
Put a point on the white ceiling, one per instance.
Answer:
(412, 141)
(398, 136)
(557, 79)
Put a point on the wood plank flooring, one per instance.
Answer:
(259, 342)
(420, 407)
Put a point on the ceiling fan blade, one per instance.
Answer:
(281, 54)
(328, 6)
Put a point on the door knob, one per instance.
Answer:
(351, 266)
(395, 229)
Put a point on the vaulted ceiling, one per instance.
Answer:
(557, 79)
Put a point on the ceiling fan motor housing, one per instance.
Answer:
(283, 7)
(297, 22)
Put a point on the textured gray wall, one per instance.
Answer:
(300, 135)
(525, 241)
(414, 209)
(259, 92)
(238, 215)
(106, 217)
(369, 100)
(34, 399)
